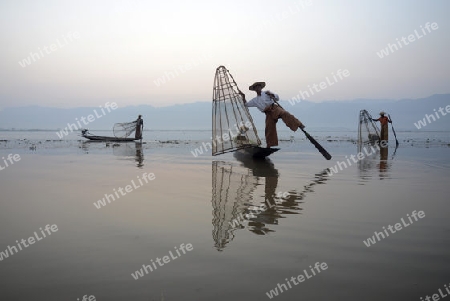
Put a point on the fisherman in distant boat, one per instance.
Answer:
(139, 127)
(384, 126)
(266, 103)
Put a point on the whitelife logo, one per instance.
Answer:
(166, 259)
(391, 48)
(146, 177)
(340, 75)
(69, 38)
(11, 159)
(430, 118)
(86, 298)
(226, 136)
(91, 118)
(436, 297)
(319, 267)
(398, 226)
(31, 240)
(179, 70)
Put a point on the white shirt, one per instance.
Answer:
(261, 102)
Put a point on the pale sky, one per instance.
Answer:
(86, 53)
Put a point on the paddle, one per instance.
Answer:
(317, 145)
(396, 141)
(313, 141)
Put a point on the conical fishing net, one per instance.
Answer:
(232, 125)
(123, 130)
(368, 132)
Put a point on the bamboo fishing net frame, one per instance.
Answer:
(229, 110)
(368, 131)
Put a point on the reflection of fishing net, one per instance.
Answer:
(233, 126)
(124, 149)
(368, 132)
(367, 167)
(231, 194)
(123, 130)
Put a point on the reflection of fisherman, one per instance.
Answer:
(139, 127)
(383, 159)
(265, 102)
(384, 126)
(139, 157)
(265, 214)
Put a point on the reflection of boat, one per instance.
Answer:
(85, 133)
(125, 151)
(259, 168)
(239, 203)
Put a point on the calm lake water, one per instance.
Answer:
(249, 225)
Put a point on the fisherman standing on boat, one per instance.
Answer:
(384, 126)
(266, 103)
(139, 127)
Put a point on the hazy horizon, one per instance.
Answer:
(333, 114)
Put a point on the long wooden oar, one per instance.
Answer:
(396, 141)
(317, 145)
(313, 141)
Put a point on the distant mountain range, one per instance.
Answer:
(339, 115)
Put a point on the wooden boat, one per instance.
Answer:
(257, 152)
(87, 135)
